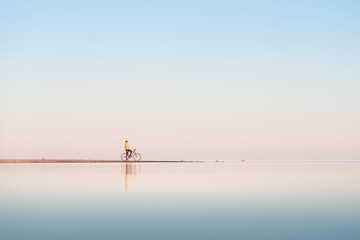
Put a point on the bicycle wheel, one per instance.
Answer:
(123, 156)
(137, 157)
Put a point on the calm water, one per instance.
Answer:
(231, 200)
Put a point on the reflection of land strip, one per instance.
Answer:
(86, 161)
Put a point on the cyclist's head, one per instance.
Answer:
(126, 140)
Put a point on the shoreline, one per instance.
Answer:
(89, 161)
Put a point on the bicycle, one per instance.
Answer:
(136, 156)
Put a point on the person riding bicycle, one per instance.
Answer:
(127, 149)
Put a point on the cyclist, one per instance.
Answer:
(127, 149)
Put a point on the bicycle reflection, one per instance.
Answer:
(130, 169)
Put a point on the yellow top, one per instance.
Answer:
(126, 146)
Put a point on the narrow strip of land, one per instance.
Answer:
(87, 161)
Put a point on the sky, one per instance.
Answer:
(202, 80)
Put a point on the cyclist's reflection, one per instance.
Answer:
(129, 170)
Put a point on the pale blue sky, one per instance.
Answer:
(198, 79)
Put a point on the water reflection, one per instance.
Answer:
(209, 201)
(130, 169)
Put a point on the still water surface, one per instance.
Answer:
(231, 200)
